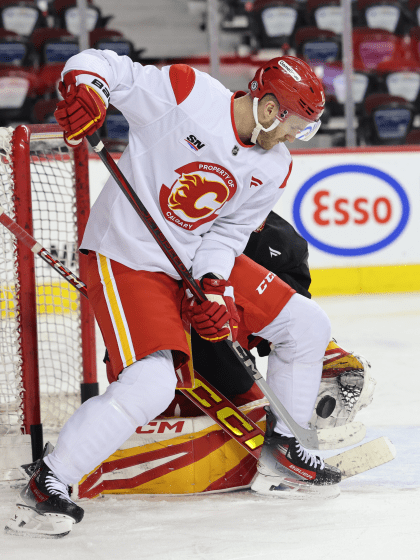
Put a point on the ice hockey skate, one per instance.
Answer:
(287, 470)
(47, 510)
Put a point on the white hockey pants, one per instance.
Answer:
(300, 335)
(105, 422)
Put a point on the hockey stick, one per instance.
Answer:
(312, 439)
(203, 395)
(37, 249)
(215, 402)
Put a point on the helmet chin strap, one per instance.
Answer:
(259, 126)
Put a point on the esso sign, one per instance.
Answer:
(351, 210)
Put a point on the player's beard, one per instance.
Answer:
(267, 140)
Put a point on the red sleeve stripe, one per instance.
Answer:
(287, 176)
(182, 79)
(79, 72)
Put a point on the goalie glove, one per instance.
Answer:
(83, 108)
(216, 319)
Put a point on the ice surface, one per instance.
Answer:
(377, 516)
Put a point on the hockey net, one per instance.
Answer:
(47, 344)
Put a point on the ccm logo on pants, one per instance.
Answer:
(263, 286)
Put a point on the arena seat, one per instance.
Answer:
(114, 131)
(387, 119)
(390, 15)
(53, 47)
(372, 46)
(43, 111)
(15, 50)
(18, 92)
(21, 16)
(318, 46)
(102, 38)
(235, 16)
(274, 22)
(413, 137)
(401, 77)
(325, 14)
(66, 15)
(364, 83)
(413, 7)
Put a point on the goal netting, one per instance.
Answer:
(47, 346)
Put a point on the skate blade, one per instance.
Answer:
(289, 489)
(28, 522)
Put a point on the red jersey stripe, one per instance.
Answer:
(182, 79)
(287, 176)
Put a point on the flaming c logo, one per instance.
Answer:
(194, 187)
(198, 194)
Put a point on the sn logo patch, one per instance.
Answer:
(193, 144)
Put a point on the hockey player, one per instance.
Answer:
(209, 166)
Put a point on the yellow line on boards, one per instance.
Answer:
(62, 298)
(365, 280)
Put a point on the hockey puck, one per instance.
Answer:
(326, 406)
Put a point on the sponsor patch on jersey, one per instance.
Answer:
(193, 144)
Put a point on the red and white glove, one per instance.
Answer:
(83, 108)
(216, 319)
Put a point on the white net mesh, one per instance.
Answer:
(58, 310)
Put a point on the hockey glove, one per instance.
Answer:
(83, 109)
(216, 319)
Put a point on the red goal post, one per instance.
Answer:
(47, 335)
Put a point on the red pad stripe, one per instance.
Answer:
(182, 79)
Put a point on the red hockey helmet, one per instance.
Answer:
(294, 84)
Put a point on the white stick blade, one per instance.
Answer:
(341, 436)
(364, 457)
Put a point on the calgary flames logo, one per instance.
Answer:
(193, 188)
(198, 195)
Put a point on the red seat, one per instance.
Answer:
(415, 42)
(373, 46)
(53, 48)
(400, 76)
(413, 137)
(43, 111)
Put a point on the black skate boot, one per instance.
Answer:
(48, 510)
(287, 470)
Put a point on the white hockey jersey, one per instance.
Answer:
(206, 190)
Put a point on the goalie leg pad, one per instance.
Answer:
(28, 522)
(346, 387)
